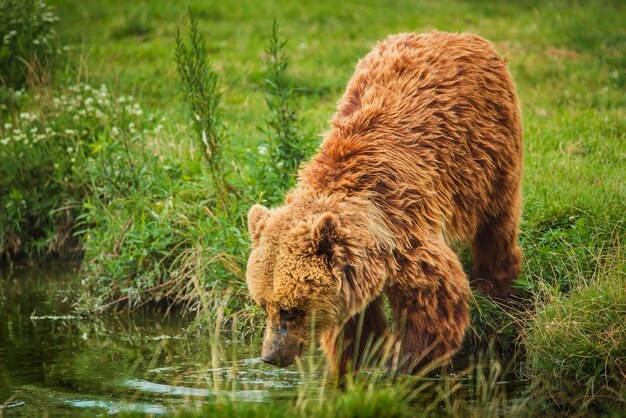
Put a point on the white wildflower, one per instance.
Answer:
(49, 17)
(7, 38)
(7, 126)
(135, 110)
(262, 150)
(70, 132)
(70, 150)
(103, 93)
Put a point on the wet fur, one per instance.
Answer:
(425, 149)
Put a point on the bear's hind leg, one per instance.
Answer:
(358, 342)
(496, 255)
(429, 305)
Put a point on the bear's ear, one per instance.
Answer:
(257, 216)
(325, 235)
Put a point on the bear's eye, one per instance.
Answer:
(289, 315)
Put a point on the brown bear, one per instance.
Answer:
(425, 150)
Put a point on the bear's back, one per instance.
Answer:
(412, 77)
(429, 121)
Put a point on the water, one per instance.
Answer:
(52, 362)
(55, 363)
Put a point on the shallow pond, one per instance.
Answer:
(53, 362)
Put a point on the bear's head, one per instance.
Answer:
(294, 274)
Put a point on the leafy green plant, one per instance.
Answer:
(27, 39)
(287, 145)
(201, 91)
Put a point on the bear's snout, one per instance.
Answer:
(280, 357)
(280, 348)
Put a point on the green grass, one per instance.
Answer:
(576, 343)
(567, 62)
(163, 238)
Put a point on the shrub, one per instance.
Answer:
(57, 150)
(27, 43)
(162, 243)
(201, 93)
(168, 239)
(286, 145)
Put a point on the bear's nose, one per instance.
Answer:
(269, 360)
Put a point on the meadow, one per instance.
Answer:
(106, 125)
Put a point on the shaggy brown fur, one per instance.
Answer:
(424, 150)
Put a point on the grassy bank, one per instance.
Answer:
(576, 342)
(103, 157)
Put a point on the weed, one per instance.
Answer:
(199, 82)
(51, 148)
(28, 41)
(287, 145)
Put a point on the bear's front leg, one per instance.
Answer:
(429, 305)
(358, 341)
